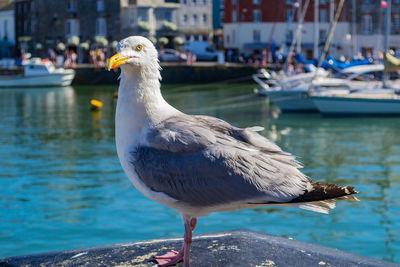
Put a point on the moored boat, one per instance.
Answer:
(357, 104)
(37, 74)
(294, 94)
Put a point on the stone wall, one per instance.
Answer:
(171, 74)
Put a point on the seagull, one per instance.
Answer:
(200, 164)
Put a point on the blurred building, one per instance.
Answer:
(7, 29)
(42, 24)
(218, 14)
(261, 24)
(195, 19)
(369, 17)
(4, 3)
(154, 18)
(218, 20)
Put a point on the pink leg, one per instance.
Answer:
(173, 257)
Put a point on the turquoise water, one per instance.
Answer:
(62, 186)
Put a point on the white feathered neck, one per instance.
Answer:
(139, 95)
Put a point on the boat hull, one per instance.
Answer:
(291, 100)
(52, 79)
(339, 106)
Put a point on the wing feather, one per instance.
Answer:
(205, 161)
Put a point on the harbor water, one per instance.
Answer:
(62, 186)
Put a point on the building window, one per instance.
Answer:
(72, 27)
(322, 2)
(256, 2)
(168, 16)
(396, 21)
(195, 19)
(26, 27)
(289, 15)
(131, 19)
(204, 19)
(256, 15)
(100, 5)
(204, 2)
(256, 36)
(367, 1)
(234, 16)
(5, 28)
(71, 5)
(323, 15)
(289, 2)
(289, 36)
(101, 29)
(322, 35)
(233, 2)
(194, 2)
(367, 24)
(185, 19)
(143, 14)
(185, 2)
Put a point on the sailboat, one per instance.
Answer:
(381, 100)
(291, 93)
(384, 100)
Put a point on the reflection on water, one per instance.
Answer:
(62, 185)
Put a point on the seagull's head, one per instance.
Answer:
(135, 54)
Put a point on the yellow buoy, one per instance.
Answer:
(95, 105)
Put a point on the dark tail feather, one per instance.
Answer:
(322, 191)
(321, 198)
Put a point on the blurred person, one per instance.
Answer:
(52, 55)
(264, 58)
(290, 70)
(74, 58)
(188, 58)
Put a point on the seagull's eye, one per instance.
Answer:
(139, 47)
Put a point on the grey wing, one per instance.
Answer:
(251, 137)
(204, 162)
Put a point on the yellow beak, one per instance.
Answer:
(115, 61)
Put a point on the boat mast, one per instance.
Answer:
(386, 39)
(316, 28)
(330, 34)
(354, 26)
(300, 18)
(297, 36)
(331, 10)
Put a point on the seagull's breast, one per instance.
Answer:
(128, 138)
(131, 126)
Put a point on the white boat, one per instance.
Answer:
(384, 99)
(373, 102)
(272, 80)
(293, 93)
(38, 74)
